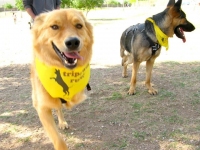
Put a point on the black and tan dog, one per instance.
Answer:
(143, 42)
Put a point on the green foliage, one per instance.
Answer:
(7, 6)
(66, 3)
(127, 2)
(116, 3)
(132, 1)
(82, 4)
(113, 2)
(88, 4)
(19, 4)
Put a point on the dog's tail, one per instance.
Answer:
(127, 58)
(122, 52)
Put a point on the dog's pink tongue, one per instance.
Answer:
(73, 55)
(184, 39)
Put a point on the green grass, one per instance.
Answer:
(195, 98)
(25, 140)
(12, 129)
(163, 94)
(139, 135)
(173, 119)
(115, 96)
(172, 63)
(120, 144)
(79, 145)
(137, 106)
(179, 84)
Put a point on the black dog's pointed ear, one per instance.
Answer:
(178, 4)
(171, 3)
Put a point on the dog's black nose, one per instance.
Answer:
(72, 43)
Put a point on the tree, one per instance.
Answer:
(113, 3)
(7, 6)
(19, 5)
(86, 5)
(66, 3)
(127, 2)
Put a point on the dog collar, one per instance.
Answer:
(62, 82)
(161, 37)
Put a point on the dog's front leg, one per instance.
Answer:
(49, 125)
(149, 67)
(134, 78)
(61, 120)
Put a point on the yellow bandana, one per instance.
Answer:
(161, 37)
(62, 82)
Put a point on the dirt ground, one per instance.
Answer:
(109, 119)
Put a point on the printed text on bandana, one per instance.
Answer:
(62, 82)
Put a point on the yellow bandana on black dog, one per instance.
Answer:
(161, 37)
(62, 82)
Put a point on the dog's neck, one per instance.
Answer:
(160, 36)
(163, 22)
(157, 20)
(150, 31)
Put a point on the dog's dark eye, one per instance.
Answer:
(55, 27)
(79, 26)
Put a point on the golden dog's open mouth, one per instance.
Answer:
(69, 59)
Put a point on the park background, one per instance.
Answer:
(109, 119)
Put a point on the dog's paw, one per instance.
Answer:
(153, 91)
(63, 125)
(131, 92)
(124, 76)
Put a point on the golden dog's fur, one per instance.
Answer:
(56, 27)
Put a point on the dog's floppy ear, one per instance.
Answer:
(37, 26)
(178, 4)
(171, 3)
(39, 20)
(89, 27)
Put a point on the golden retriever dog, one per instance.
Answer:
(60, 70)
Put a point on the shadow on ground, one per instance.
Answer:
(109, 119)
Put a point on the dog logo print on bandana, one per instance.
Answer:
(62, 82)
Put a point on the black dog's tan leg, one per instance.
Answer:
(149, 67)
(134, 78)
(49, 125)
(126, 60)
(124, 64)
(61, 120)
(124, 71)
